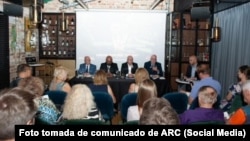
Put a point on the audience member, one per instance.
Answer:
(109, 66)
(47, 110)
(147, 89)
(235, 89)
(191, 72)
(23, 71)
(203, 71)
(242, 115)
(100, 83)
(80, 104)
(140, 75)
(207, 96)
(158, 111)
(87, 69)
(153, 67)
(128, 68)
(17, 107)
(59, 81)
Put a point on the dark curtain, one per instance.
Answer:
(234, 48)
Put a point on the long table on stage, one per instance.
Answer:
(120, 86)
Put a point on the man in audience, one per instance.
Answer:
(128, 68)
(153, 67)
(205, 112)
(109, 66)
(191, 72)
(242, 115)
(158, 111)
(23, 71)
(203, 71)
(87, 68)
(17, 107)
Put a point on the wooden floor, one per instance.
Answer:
(117, 120)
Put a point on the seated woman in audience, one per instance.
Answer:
(47, 110)
(147, 89)
(242, 115)
(100, 83)
(80, 104)
(207, 96)
(58, 82)
(140, 75)
(158, 111)
(235, 89)
(17, 107)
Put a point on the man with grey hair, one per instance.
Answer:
(128, 68)
(242, 115)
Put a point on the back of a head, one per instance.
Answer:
(60, 73)
(78, 102)
(140, 75)
(158, 111)
(17, 107)
(33, 84)
(100, 77)
(204, 69)
(147, 89)
(207, 95)
(22, 68)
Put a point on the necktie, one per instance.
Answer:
(87, 68)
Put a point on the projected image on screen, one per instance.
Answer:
(119, 34)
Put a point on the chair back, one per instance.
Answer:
(105, 104)
(178, 101)
(82, 122)
(57, 97)
(132, 122)
(127, 101)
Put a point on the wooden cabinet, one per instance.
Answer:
(185, 37)
(57, 36)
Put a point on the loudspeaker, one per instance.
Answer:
(12, 10)
(198, 13)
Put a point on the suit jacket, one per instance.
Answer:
(149, 68)
(83, 69)
(113, 67)
(124, 68)
(189, 72)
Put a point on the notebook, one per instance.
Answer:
(31, 60)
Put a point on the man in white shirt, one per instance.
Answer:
(128, 68)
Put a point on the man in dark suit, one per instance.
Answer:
(191, 72)
(128, 68)
(109, 66)
(153, 67)
(87, 69)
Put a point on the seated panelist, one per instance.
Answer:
(87, 69)
(153, 67)
(128, 68)
(109, 66)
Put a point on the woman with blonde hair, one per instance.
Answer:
(58, 82)
(80, 104)
(147, 90)
(140, 75)
(100, 83)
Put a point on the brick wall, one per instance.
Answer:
(17, 44)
